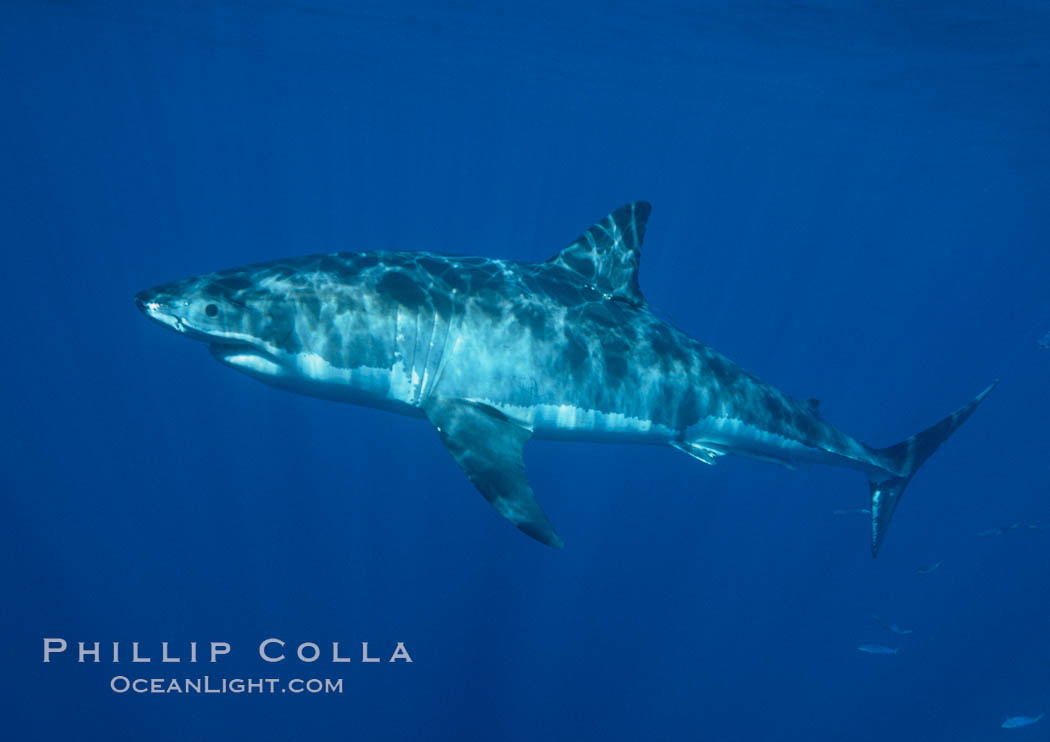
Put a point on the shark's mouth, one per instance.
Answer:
(247, 358)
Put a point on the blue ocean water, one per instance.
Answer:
(850, 200)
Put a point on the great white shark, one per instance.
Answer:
(494, 352)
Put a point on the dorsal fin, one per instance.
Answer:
(606, 255)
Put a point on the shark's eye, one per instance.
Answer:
(211, 310)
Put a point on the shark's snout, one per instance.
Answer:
(142, 300)
(151, 303)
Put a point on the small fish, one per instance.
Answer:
(1000, 530)
(1035, 525)
(890, 626)
(1045, 341)
(877, 649)
(1016, 722)
(931, 568)
(852, 511)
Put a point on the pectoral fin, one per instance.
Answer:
(488, 446)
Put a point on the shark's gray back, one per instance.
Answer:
(567, 345)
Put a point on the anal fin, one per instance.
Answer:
(710, 452)
(489, 448)
(700, 451)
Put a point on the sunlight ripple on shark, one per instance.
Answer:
(494, 352)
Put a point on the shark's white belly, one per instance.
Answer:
(569, 422)
(394, 389)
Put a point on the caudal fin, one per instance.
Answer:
(902, 461)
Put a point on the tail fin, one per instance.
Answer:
(902, 461)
